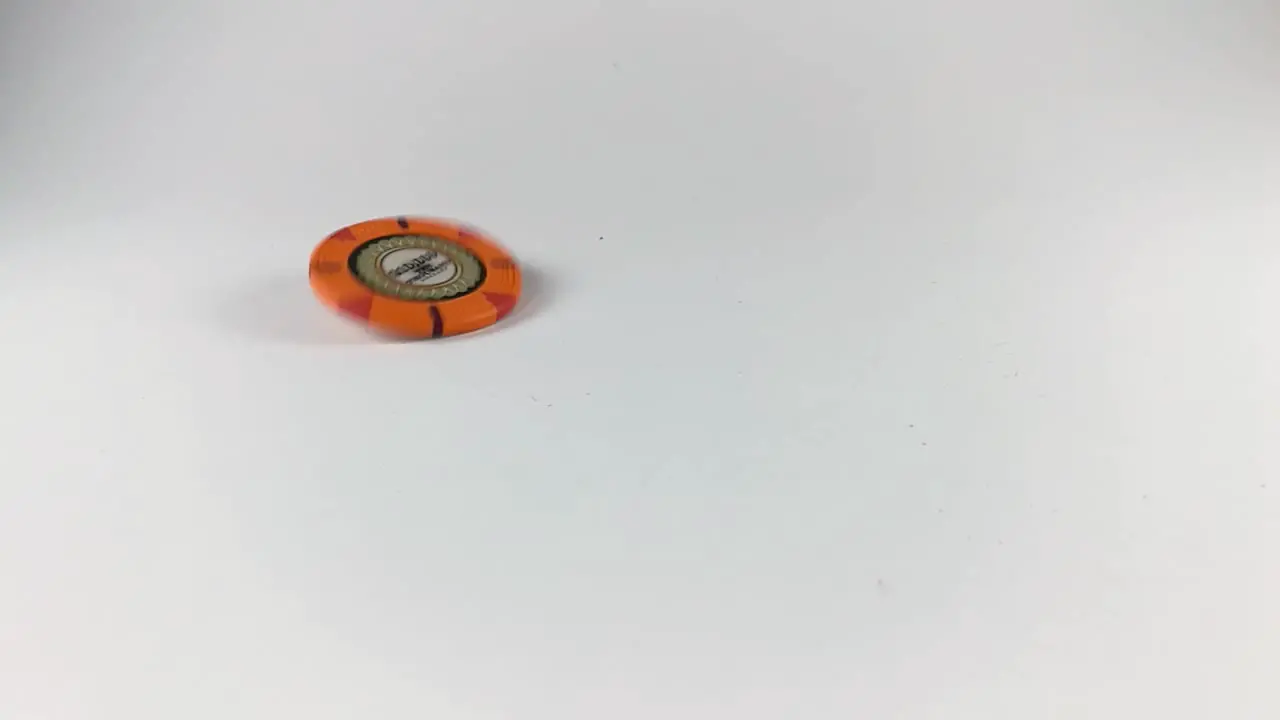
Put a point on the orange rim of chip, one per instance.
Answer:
(415, 277)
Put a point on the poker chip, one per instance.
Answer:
(415, 277)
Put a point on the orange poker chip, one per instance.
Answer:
(415, 277)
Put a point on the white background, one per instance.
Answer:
(905, 359)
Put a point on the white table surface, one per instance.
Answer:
(893, 360)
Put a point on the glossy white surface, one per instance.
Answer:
(898, 360)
